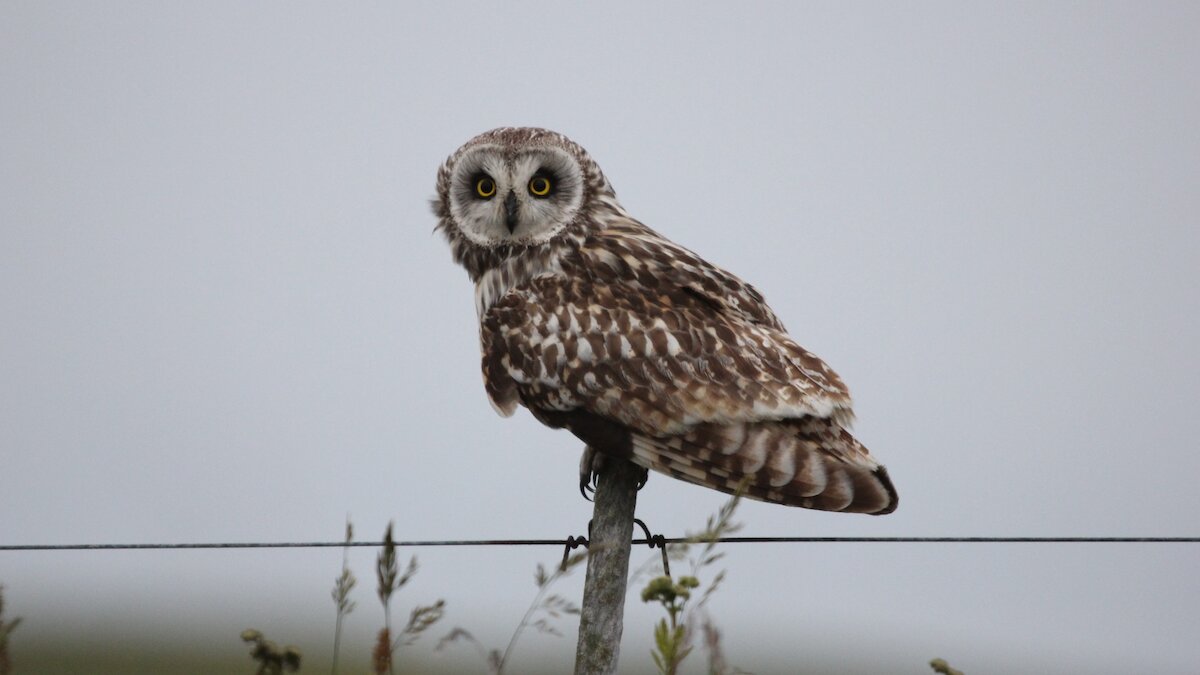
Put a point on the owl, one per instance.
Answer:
(646, 352)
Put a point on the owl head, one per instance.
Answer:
(517, 188)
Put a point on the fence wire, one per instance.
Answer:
(642, 541)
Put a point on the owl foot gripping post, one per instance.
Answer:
(590, 466)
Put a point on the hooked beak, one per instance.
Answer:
(510, 211)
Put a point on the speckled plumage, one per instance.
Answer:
(598, 324)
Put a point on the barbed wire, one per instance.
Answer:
(641, 541)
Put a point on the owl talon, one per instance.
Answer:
(590, 466)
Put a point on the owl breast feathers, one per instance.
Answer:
(597, 324)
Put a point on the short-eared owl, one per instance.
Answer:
(596, 323)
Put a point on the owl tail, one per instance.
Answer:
(810, 462)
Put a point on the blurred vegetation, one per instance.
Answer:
(7, 626)
(341, 595)
(673, 636)
(422, 617)
(541, 615)
(272, 659)
(940, 666)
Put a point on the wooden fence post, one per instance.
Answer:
(601, 616)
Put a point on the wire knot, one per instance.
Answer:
(656, 541)
(572, 544)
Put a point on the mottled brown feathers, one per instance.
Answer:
(658, 360)
(645, 351)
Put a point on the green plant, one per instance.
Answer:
(670, 639)
(674, 633)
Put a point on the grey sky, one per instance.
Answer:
(225, 316)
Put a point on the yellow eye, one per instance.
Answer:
(539, 186)
(485, 187)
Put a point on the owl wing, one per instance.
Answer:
(658, 361)
(654, 355)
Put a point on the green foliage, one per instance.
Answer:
(673, 634)
(670, 636)
(671, 644)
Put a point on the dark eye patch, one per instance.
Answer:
(543, 184)
(483, 186)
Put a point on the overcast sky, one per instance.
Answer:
(224, 315)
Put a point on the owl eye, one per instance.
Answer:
(540, 186)
(485, 187)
